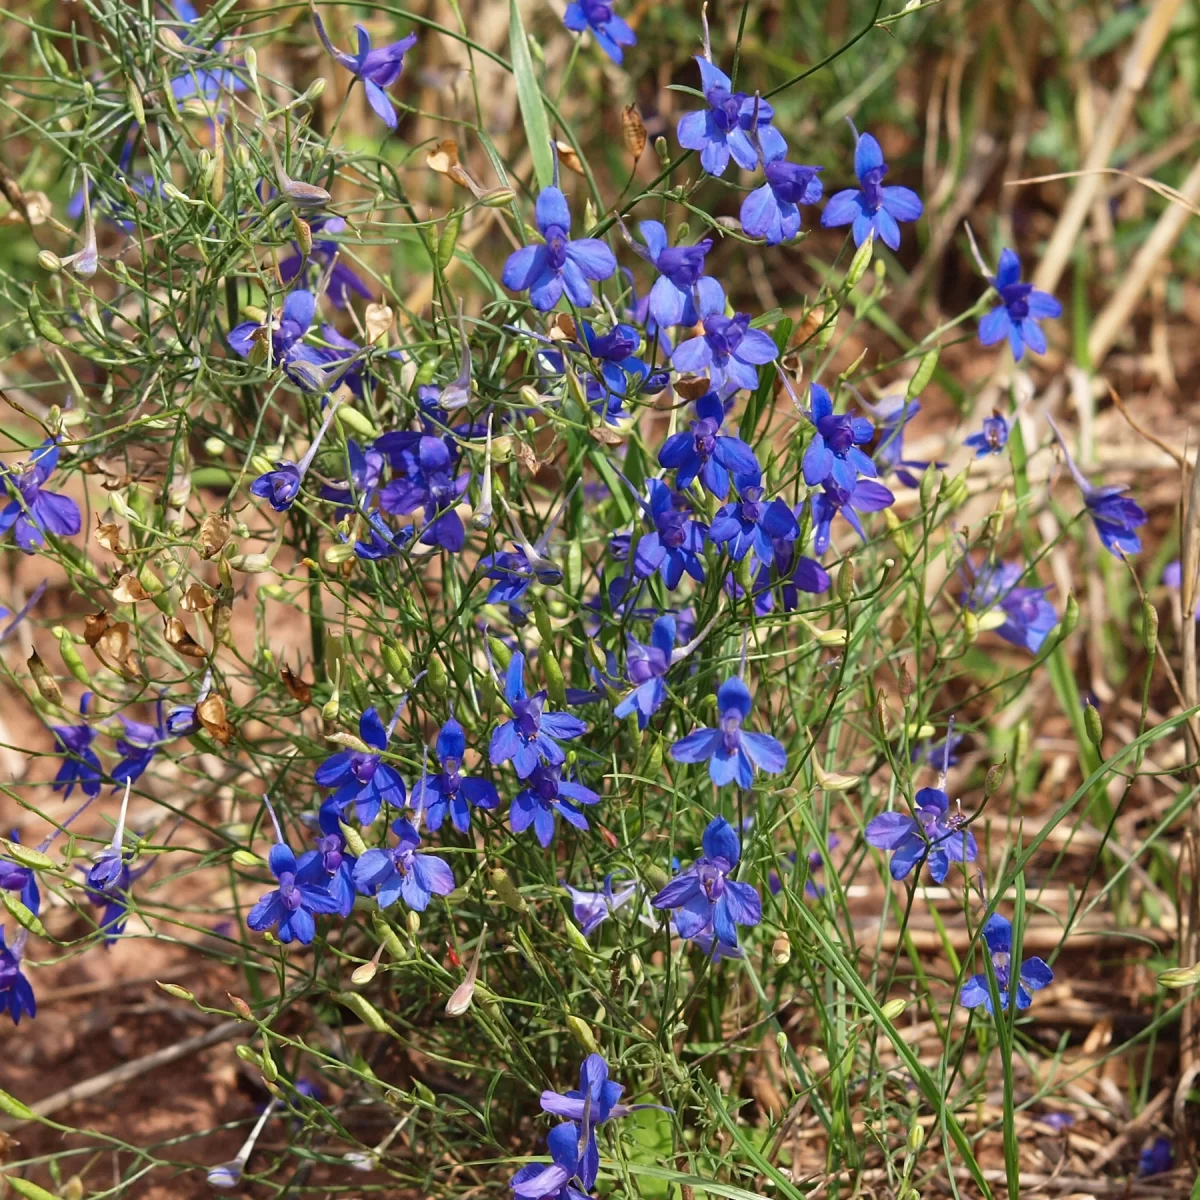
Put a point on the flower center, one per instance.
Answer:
(872, 187)
(556, 246)
(725, 106)
(724, 334)
(838, 432)
(704, 434)
(682, 265)
(363, 766)
(289, 893)
(731, 732)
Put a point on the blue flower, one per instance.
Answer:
(771, 211)
(703, 896)
(554, 1182)
(514, 571)
(33, 510)
(676, 541)
(205, 82)
(365, 468)
(753, 523)
(449, 791)
(546, 795)
(706, 452)
(732, 753)
(1028, 615)
(433, 486)
(363, 780)
(867, 495)
(545, 269)
(531, 735)
(381, 540)
(724, 128)
(1155, 1158)
(400, 872)
(285, 331)
(991, 439)
(16, 994)
(833, 454)
(82, 767)
(648, 666)
(138, 747)
(340, 280)
(681, 278)
(592, 909)
(1113, 513)
(943, 754)
(1020, 309)
(795, 572)
(19, 879)
(610, 31)
(728, 351)
(1033, 975)
(616, 354)
(378, 69)
(339, 865)
(933, 832)
(872, 208)
(301, 895)
(893, 413)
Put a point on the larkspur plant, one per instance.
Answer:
(600, 510)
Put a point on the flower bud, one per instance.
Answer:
(501, 654)
(893, 1008)
(923, 374)
(173, 989)
(435, 672)
(362, 975)
(845, 581)
(582, 1033)
(916, 1137)
(248, 1054)
(246, 858)
(782, 1043)
(506, 890)
(413, 921)
(250, 58)
(860, 261)
(662, 149)
(49, 261)
(993, 779)
(928, 483)
(1149, 627)
(240, 1007)
(1070, 617)
(899, 534)
(1179, 977)
(1093, 724)
(338, 553)
(353, 839)
(387, 935)
(47, 685)
(315, 90)
(655, 876)
(635, 965)
(970, 627)
(576, 938)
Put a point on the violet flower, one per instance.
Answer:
(872, 208)
(365, 469)
(1032, 976)
(545, 269)
(648, 666)
(22, 880)
(400, 872)
(281, 486)
(706, 452)
(893, 413)
(339, 279)
(732, 752)
(546, 795)
(555, 1182)
(933, 832)
(674, 544)
(991, 439)
(1156, 1157)
(362, 780)
(703, 895)
(377, 69)
(1020, 309)
(771, 211)
(592, 909)
(1028, 615)
(142, 741)
(204, 82)
(532, 734)
(449, 792)
(34, 511)
(681, 278)
(81, 767)
(723, 130)
(610, 31)
(753, 523)
(434, 487)
(728, 351)
(1113, 513)
(867, 495)
(338, 863)
(834, 454)
(16, 994)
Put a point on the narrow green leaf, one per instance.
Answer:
(529, 97)
(695, 1182)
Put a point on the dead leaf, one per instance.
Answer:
(197, 598)
(297, 687)
(606, 435)
(524, 454)
(211, 714)
(214, 533)
(568, 158)
(8, 1147)
(378, 321)
(94, 627)
(692, 387)
(443, 157)
(129, 590)
(177, 636)
(109, 536)
(562, 328)
(46, 683)
(633, 130)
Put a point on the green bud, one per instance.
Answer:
(845, 581)
(355, 421)
(497, 197)
(899, 534)
(1093, 725)
(435, 672)
(248, 1054)
(582, 1033)
(353, 839)
(1020, 743)
(970, 627)
(655, 876)
(923, 374)
(1179, 977)
(1070, 617)
(928, 483)
(662, 149)
(425, 374)
(448, 239)
(576, 938)
(916, 1136)
(635, 965)
(782, 1043)
(893, 1008)
(70, 656)
(501, 654)
(860, 261)
(413, 921)
(1149, 627)
(364, 1010)
(43, 325)
(49, 261)
(180, 993)
(993, 779)
(135, 102)
(506, 890)
(246, 858)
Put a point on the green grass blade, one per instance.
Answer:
(529, 97)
